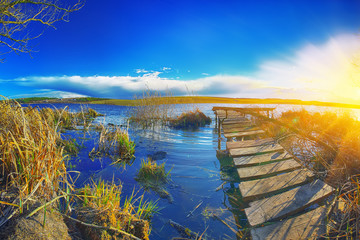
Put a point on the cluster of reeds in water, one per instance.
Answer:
(329, 144)
(33, 163)
(154, 109)
(115, 143)
(152, 174)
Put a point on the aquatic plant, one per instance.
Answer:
(70, 146)
(190, 120)
(64, 119)
(100, 203)
(152, 108)
(151, 174)
(116, 143)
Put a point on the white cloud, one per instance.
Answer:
(166, 69)
(50, 93)
(314, 72)
(141, 71)
(116, 86)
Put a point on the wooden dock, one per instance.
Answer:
(285, 199)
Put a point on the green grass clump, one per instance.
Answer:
(69, 145)
(115, 143)
(151, 174)
(191, 120)
(100, 204)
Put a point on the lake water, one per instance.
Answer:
(204, 188)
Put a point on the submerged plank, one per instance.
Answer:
(243, 134)
(287, 203)
(267, 169)
(249, 143)
(263, 187)
(306, 226)
(254, 160)
(236, 152)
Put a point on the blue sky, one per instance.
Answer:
(115, 48)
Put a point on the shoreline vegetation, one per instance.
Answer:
(37, 186)
(328, 143)
(38, 193)
(185, 100)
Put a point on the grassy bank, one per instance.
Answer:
(329, 144)
(35, 180)
(194, 99)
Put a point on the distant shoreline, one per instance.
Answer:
(188, 100)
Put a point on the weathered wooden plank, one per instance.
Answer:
(237, 109)
(240, 129)
(306, 226)
(236, 125)
(243, 134)
(230, 121)
(254, 160)
(263, 187)
(267, 169)
(249, 143)
(237, 152)
(287, 203)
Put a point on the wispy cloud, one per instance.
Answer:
(313, 72)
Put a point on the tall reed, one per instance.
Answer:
(114, 142)
(103, 204)
(329, 144)
(30, 159)
(153, 108)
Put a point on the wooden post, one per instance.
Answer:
(216, 119)
(219, 135)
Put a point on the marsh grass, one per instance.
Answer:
(190, 120)
(103, 204)
(151, 174)
(114, 142)
(33, 168)
(152, 109)
(326, 142)
(70, 146)
(64, 119)
(31, 160)
(329, 144)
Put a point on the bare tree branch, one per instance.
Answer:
(17, 15)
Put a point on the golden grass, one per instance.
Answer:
(30, 158)
(114, 142)
(101, 204)
(151, 174)
(328, 143)
(209, 99)
(190, 120)
(152, 109)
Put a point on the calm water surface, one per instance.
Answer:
(198, 176)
